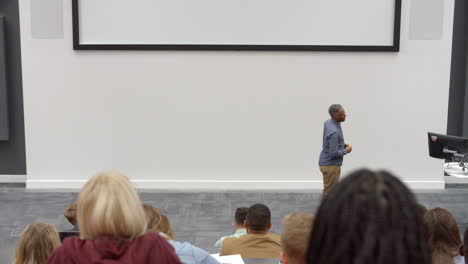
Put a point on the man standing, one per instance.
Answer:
(333, 148)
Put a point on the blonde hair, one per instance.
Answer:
(157, 222)
(295, 236)
(36, 243)
(108, 205)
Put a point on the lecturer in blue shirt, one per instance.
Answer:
(333, 148)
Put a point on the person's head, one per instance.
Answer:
(157, 222)
(70, 213)
(443, 235)
(295, 237)
(108, 205)
(153, 217)
(465, 245)
(337, 112)
(36, 244)
(369, 217)
(165, 227)
(258, 219)
(239, 218)
(422, 210)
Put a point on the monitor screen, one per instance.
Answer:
(439, 142)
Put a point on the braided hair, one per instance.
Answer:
(369, 217)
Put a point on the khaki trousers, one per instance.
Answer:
(331, 176)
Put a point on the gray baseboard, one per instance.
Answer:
(13, 178)
(12, 185)
(456, 185)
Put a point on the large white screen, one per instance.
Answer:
(238, 22)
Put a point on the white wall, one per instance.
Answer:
(228, 119)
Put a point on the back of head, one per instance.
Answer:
(157, 222)
(153, 217)
(258, 218)
(369, 217)
(108, 205)
(444, 236)
(36, 244)
(70, 213)
(241, 215)
(422, 210)
(165, 227)
(295, 236)
(465, 245)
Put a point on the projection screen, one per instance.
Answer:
(343, 25)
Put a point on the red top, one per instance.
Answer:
(149, 248)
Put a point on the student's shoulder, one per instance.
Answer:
(233, 240)
(230, 239)
(199, 254)
(274, 237)
(152, 237)
(150, 241)
(272, 234)
(67, 251)
(231, 246)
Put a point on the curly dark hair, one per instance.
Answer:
(369, 217)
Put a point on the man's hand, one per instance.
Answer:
(348, 148)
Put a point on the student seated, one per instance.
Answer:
(70, 215)
(422, 210)
(464, 250)
(238, 224)
(188, 253)
(295, 237)
(112, 227)
(444, 237)
(258, 243)
(157, 222)
(36, 243)
(369, 218)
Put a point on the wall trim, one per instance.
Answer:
(13, 178)
(215, 185)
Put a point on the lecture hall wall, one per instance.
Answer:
(229, 120)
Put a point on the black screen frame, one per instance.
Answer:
(395, 47)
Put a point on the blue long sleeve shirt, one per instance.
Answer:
(190, 254)
(333, 148)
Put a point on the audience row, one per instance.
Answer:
(369, 217)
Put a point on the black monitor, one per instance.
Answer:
(447, 147)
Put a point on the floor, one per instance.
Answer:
(198, 217)
(456, 182)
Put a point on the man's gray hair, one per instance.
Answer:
(333, 109)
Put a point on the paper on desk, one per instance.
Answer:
(231, 259)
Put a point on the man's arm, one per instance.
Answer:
(333, 149)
